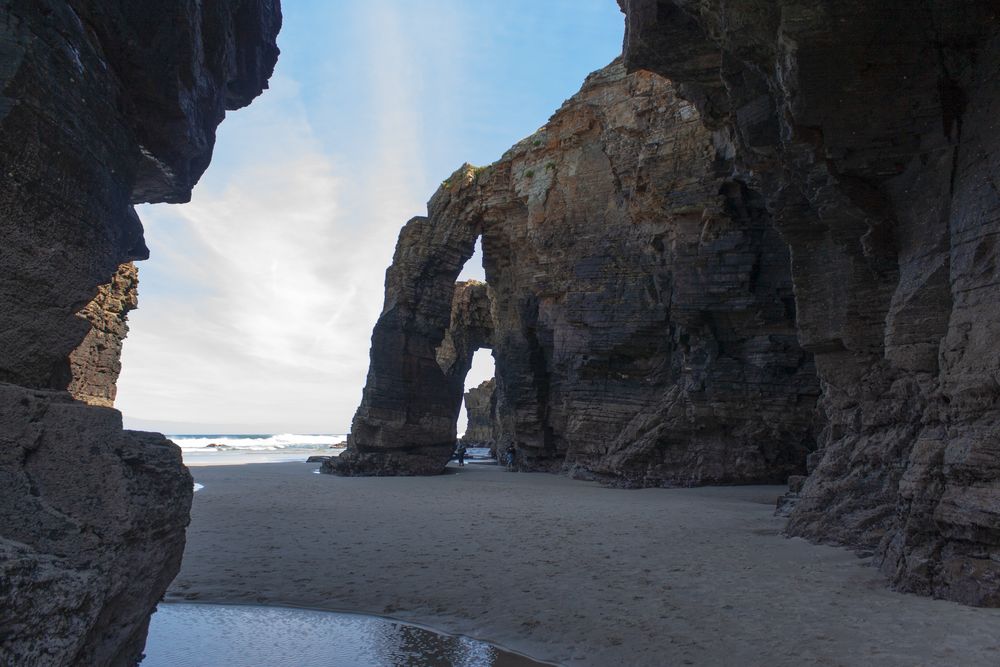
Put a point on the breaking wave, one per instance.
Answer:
(257, 443)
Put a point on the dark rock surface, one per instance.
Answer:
(870, 130)
(422, 349)
(93, 524)
(481, 408)
(103, 104)
(641, 304)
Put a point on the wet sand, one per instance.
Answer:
(221, 635)
(562, 570)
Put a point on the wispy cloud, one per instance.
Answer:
(279, 264)
(257, 304)
(265, 325)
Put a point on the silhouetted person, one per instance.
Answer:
(460, 454)
(511, 455)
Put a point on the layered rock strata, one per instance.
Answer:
(642, 305)
(96, 363)
(422, 349)
(869, 130)
(481, 408)
(102, 105)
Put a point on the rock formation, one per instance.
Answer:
(102, 105)
(93, 524)
(869, 130)
(470, 327)
(422, 349)
(642, 310)
(481, 408)
(96, 363)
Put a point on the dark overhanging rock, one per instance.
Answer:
(643, 320)
(102, 105)
(869, 128)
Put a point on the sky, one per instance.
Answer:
(257, 303)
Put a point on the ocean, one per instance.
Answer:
(234, 449)
(230, 449)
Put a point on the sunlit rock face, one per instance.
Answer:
(102, 105)
(96, 363)
(643, 319)
(870, 130)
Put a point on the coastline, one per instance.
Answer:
(561, 570)
(194, 459)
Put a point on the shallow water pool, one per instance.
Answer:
(210, 635)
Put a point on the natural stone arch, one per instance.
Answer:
(644, 322)
(406, 421)
(470, 328)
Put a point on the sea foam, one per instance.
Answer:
(258, 442)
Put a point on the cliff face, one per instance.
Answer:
(481, 407)
(869, 130)
(643, 319)
(102, 105)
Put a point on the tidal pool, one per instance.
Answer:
(211, 635)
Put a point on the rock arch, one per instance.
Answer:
(406, 421)
(642, 313)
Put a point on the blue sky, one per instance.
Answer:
(256, 306)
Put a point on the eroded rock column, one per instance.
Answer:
(96, 363)
(645, 319)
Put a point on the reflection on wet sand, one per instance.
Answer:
(193, 635)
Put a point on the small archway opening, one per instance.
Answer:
(483, 369)
(473, 269)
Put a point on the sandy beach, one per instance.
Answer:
(562, 570)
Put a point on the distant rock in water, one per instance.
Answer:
(638, 303)
(480, 406)
(318, 459)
